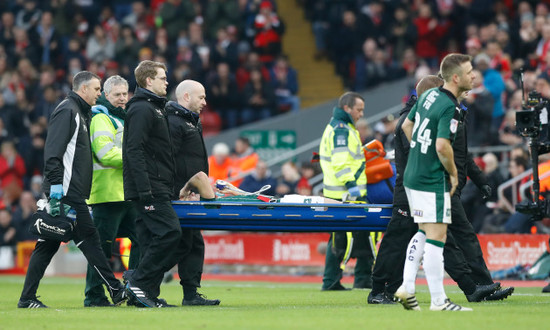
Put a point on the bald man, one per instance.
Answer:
(191, 157)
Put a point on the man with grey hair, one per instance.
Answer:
(191, 158)
(67, 180)
(113, 216)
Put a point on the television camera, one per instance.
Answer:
(532, 123)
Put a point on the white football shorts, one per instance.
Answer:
(429, 207)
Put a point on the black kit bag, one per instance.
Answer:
(58, 228)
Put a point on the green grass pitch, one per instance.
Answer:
(261, 305)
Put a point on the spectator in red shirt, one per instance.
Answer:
(430, 32)
(12, 170)
(269, 29)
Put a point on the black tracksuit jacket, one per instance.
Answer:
(147, 156)
(188, 144)
(68, 153)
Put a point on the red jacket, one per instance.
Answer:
(427, 41)
(9, 174)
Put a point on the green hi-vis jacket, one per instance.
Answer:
(106, 135)
(341, 157)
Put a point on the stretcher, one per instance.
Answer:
(282, 217)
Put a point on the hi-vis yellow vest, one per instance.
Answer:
(107, 183)
(341, 157)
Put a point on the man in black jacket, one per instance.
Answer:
(68, 178)
(148, 175)
(471, 275)
(191, 158)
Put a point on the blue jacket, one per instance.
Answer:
(494, 83)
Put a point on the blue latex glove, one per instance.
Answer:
(56, 191)
(354, 191)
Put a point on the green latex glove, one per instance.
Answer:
(55, 205)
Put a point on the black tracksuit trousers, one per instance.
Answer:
(191, 253)
(159, 232)
(461, 241)
(86, 239)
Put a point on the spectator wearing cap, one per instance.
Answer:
(473, 46)
(219, 162)
(269, 30)
(494, 83)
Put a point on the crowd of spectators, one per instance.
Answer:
(372, 41)
(234, 48)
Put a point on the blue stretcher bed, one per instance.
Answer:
(282, 217)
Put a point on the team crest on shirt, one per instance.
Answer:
(418, 213)
(454, 125)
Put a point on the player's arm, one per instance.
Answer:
(407, 128)
(201, 184)
(408, 124)
(446, 157)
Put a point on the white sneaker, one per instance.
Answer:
(406, 299)
(448, 305)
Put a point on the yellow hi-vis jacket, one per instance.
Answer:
(341, 157)
(106, 135)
